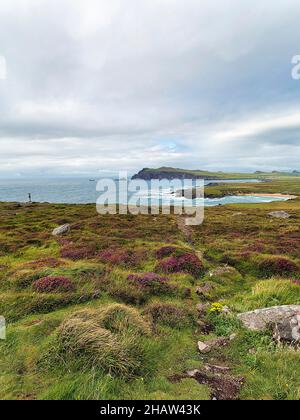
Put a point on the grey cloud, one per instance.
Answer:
(98, 84)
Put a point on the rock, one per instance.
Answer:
(203, 347)
(2, 328)
(209, 345)
(288, 330)
(226, 310)
(216, 368)
(61, 230)
(219, 271)
(237, 214)
(192, 373)
(284, 319)
(280, 214)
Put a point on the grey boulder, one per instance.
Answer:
(280, 214)
(284, 319)
(61, 230)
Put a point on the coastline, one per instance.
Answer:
(275, 195)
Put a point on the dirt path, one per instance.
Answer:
(186, 230)
(223, 385)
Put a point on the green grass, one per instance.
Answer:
(234, 240)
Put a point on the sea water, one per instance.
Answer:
(83, 191)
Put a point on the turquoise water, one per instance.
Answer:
(82, 191)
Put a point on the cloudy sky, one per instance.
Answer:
(103, 85)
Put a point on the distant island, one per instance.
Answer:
(175, 173)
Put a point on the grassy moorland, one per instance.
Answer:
(109, 310)
(289, 185)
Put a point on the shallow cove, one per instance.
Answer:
(83, 191)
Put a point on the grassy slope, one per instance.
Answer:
(239, 235)
(284, 185)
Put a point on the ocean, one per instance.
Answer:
(83, 191)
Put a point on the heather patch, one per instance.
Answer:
(168, 251)
(77, 252)
(186, 263)
(277, 265)
(24, 278)
(151, 282)
(53, 284)
(119, 256)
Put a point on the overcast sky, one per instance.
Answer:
(96, 85)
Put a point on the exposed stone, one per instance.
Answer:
(192, 373)
(226, 310)
(280, 214)
(219, 271)
(288, 330)
(237, 214)
(203, 347)
(61, 230)
(217, 368)
(2, 328)
(284, 319)
(211, 344)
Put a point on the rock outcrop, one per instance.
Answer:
(284, 319)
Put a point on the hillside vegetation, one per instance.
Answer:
(109, 310)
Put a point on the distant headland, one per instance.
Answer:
(175, 173)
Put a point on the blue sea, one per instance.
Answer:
(83, 191)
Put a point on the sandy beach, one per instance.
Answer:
(275, 195)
